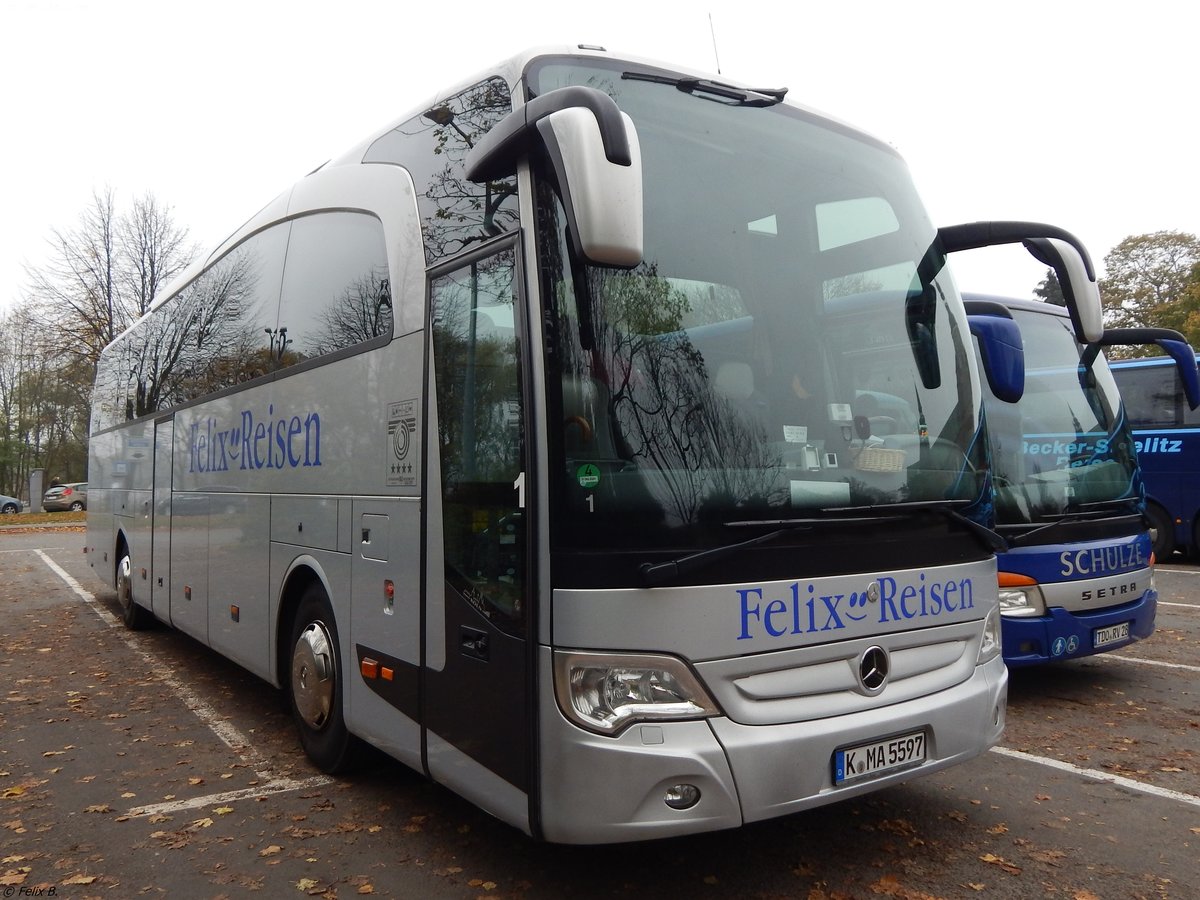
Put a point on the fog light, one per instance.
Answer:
(682, 796)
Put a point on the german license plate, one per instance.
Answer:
(878, 758)
(1102, 637)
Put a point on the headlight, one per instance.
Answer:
(605, 692)
(1020, 596)
(991, 646)
(1020, 603)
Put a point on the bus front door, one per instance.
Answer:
(476, 709)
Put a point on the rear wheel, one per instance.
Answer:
(1162, 532)
(135, 617)
(77, 506)
(9, 509)
(315, 685)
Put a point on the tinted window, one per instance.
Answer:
(213, 334)
(336, 291)
(1150, 395)
(455, 213)
(476, 354)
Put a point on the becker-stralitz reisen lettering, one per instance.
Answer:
(803, 611)
(283, 442)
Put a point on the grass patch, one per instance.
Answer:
(25, 519)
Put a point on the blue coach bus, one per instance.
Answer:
(1166, 431)
(1077, 577)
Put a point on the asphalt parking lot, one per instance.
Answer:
(141, 764)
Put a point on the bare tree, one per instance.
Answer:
(77, 289)
(101, 275)
(153, 251)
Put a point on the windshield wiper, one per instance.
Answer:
(991, 540)
(717, 91)
(1083, 512)
(660, 573)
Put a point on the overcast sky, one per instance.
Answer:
(1078, 114)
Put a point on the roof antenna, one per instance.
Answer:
(714, 39)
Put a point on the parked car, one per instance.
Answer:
(9, 505)
(66, 496)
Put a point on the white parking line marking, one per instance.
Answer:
(1106, 777)
(228, 733)
(1184, 605)
(1154, 662)
(280, 786)
(32, 549)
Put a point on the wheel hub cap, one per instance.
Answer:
(313, 676)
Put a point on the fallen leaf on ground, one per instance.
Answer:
(12, 879)
(1003, 863)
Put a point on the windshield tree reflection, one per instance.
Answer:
(792, 343)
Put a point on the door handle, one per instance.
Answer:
(473, 642)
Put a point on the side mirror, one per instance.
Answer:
(1172, 343)
(1001, 352)
(594, 150)
(1078, 281)
(1054, 247)
(1185, 362)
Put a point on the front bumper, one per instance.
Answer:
(1060, 634)
(600, 789)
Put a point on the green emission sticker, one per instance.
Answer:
(588, 475)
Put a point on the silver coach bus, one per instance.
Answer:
(601, 440)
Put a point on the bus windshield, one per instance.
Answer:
(792, 344)
(1066, 444)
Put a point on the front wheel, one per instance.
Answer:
(135, 617)
(9, 509)
(1162, 532)
(315, 685)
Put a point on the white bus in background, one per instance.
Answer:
(600, 440)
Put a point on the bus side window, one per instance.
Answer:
(480, 428)
(1150, 393)
(336, 291)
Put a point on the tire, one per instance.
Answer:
(315, 685)
(77, 506)
(1162, 532)
(10, 509)
(135, 617)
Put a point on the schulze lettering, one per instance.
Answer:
(1103, 560)
(283, 442)
(801, 610)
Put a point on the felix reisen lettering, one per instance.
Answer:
(804, 611)
(286, 442)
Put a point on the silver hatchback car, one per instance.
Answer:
(71, 496)
(9, 505)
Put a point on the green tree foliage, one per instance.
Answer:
(1049, 290)
(1189, 302)
(1147, 279)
